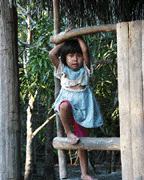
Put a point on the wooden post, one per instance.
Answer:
(124, 99)
(131, 98)
(136, 97)
(60, 131)
(9, 94)
(143, 58)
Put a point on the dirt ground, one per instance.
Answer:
(74, 172)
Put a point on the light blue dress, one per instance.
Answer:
(85, 108)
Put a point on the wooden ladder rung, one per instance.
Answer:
(82, 31)
(88, 143)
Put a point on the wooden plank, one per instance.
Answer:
(124, 99)
(82, 31)
(136, 97)
(88, 143)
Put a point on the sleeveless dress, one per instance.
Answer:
(84, 105)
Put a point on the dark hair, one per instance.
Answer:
(70, 46)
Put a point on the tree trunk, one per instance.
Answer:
(28, 164)
(29, 143)
(9, 91)
(49, 153)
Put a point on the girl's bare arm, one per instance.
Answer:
(53, 54)
(55, 50)
(85, 51)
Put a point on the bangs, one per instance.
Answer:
(74, 48)
(70, 46)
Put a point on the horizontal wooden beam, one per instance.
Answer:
(56, 39)
(88, 143)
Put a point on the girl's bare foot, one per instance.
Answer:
(73, 138)
(87, 177)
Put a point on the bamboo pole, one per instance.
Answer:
(60, 131)
(82, 31)
(88, 143)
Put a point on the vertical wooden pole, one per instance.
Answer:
(56, 16)
(136, 97)
(60, 131)
(124, 99)
(143, 61)
(130, 37)
(9, 94)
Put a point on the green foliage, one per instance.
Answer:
(35, 74)
(103, 47)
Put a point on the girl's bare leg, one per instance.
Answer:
(65, 115)
(83, 156)
(84, 165)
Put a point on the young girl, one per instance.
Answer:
(76, 103)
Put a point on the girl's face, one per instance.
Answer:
(74, 60)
